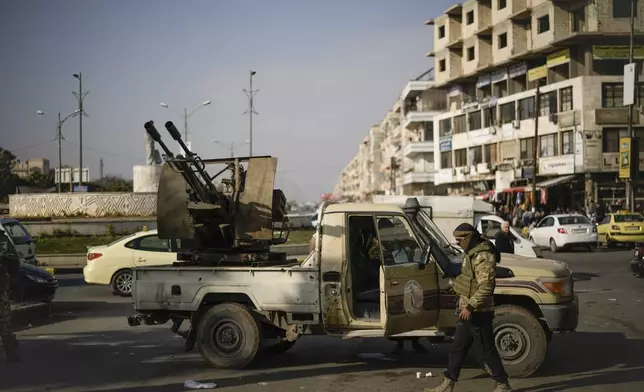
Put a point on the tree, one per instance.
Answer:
(111, 183)
(7, 179)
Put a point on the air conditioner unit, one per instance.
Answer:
(516, 124)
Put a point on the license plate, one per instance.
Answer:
(632, 228)
(579, 231)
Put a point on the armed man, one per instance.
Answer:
(475, 287)
(9, 265)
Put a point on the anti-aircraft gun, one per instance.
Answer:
(215, 227)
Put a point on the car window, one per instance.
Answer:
(15, 230)
(573, 220)
(544, 222)
(150, 243)
(622, 218)
(490, 228)
(399, 244)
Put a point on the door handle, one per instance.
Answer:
(140, 259)
(394, 283)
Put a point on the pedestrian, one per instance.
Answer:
(9, 265)
(504, 240)
(475, 310)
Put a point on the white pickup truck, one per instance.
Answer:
(346, 289)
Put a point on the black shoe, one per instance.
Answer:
(11, 350)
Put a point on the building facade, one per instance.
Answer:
(493, 56)
(33, 165)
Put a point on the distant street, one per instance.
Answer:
(88, 346)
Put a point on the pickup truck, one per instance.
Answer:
(346, 289)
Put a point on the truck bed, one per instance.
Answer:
(293, 289)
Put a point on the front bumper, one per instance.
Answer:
(562, 317)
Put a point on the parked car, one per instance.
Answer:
(33, 284)
(564, 231)
(637, 263)
(622, 227)
(21, 239)
(112, 264)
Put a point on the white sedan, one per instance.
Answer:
(559, 231)
(112, 264)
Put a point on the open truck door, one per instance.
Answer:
(409, 278)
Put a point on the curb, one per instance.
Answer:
(28, 313)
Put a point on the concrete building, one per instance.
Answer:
(490, 57)
(33, 165)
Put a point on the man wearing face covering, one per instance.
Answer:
(475, 287)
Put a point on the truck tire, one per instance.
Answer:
(520, 339)
(228, 336)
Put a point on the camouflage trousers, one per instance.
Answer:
(6, 331)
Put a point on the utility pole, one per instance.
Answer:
(250, 93)
(80, 96)
(100, 170)
(535, 163)
(59, 136)
(634, 158)
(185, 123)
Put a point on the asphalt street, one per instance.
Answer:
(88, 346)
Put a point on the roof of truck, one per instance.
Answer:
(363, 207)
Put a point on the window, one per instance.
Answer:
(547, 222)
(445, 126)
(610, 139)
(490, 228)
(622, 9)
(490, 153)
(441, 32)
(397, 241)
(503, 40)
(441, 65)
(16, 231)
(548, 104)
(567, 143)
(474, 120)
(460, 157)
(565, 97)
(548, 145)
(526, 108)
(612, 95)
(508, 113)
(578, 20)
(502, 4)
(149, 243)
(489, 117)
(476, 155)
(573, 220)
(543, 24)
(446, 160)
(628, 218)
(470, 17)
(459, 124)
(526, 147)
(470, 53)
(428, 131)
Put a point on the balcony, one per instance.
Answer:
(414, 148)
(415, 87)
(418, 178)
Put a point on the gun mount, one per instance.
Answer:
(214, 226)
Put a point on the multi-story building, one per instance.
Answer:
(493, 56)
(33, 165)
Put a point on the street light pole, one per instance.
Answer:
(60, 138)
(251, 109)
(80, 96)
(185, 115)
(631, 181)
(230, 147)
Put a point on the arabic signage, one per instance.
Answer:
(537, 73)
(470, 106)
(488, 102)
(517, 70)
(445, 144)
(454, 91)
(616, 52)
(625, 157)
(558, 58)
(499, 76)
(562, 164)
(483, 80)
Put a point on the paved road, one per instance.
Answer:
(88, 346)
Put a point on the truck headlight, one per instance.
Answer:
(558, 286)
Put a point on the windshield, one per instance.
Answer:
(15, 230)
(573, 220)
(433, 230)
(628, 218)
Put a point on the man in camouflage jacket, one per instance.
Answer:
(9, 264)
(475, 288)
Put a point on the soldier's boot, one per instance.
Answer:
(12, 354)
(446, 386)
(502, 387)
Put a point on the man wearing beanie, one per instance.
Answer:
(475, 287)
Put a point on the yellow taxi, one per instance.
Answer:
(621, 227)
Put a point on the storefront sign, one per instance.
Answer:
(563, 164)
(592, 155)
(517, 70)
(471, 106)
(454, 91)
(488, 102)
(445, 145)
(558, 58)
(483, 81)
(616, 52)
(537, 73)
(499, 76)
(625, 157)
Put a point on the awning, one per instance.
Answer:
(556, 181)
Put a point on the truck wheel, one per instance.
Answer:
(228, 336)
(520, 339)
(279, 348)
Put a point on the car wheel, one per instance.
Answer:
(122, 283)
(553, 245)
(638, 273)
